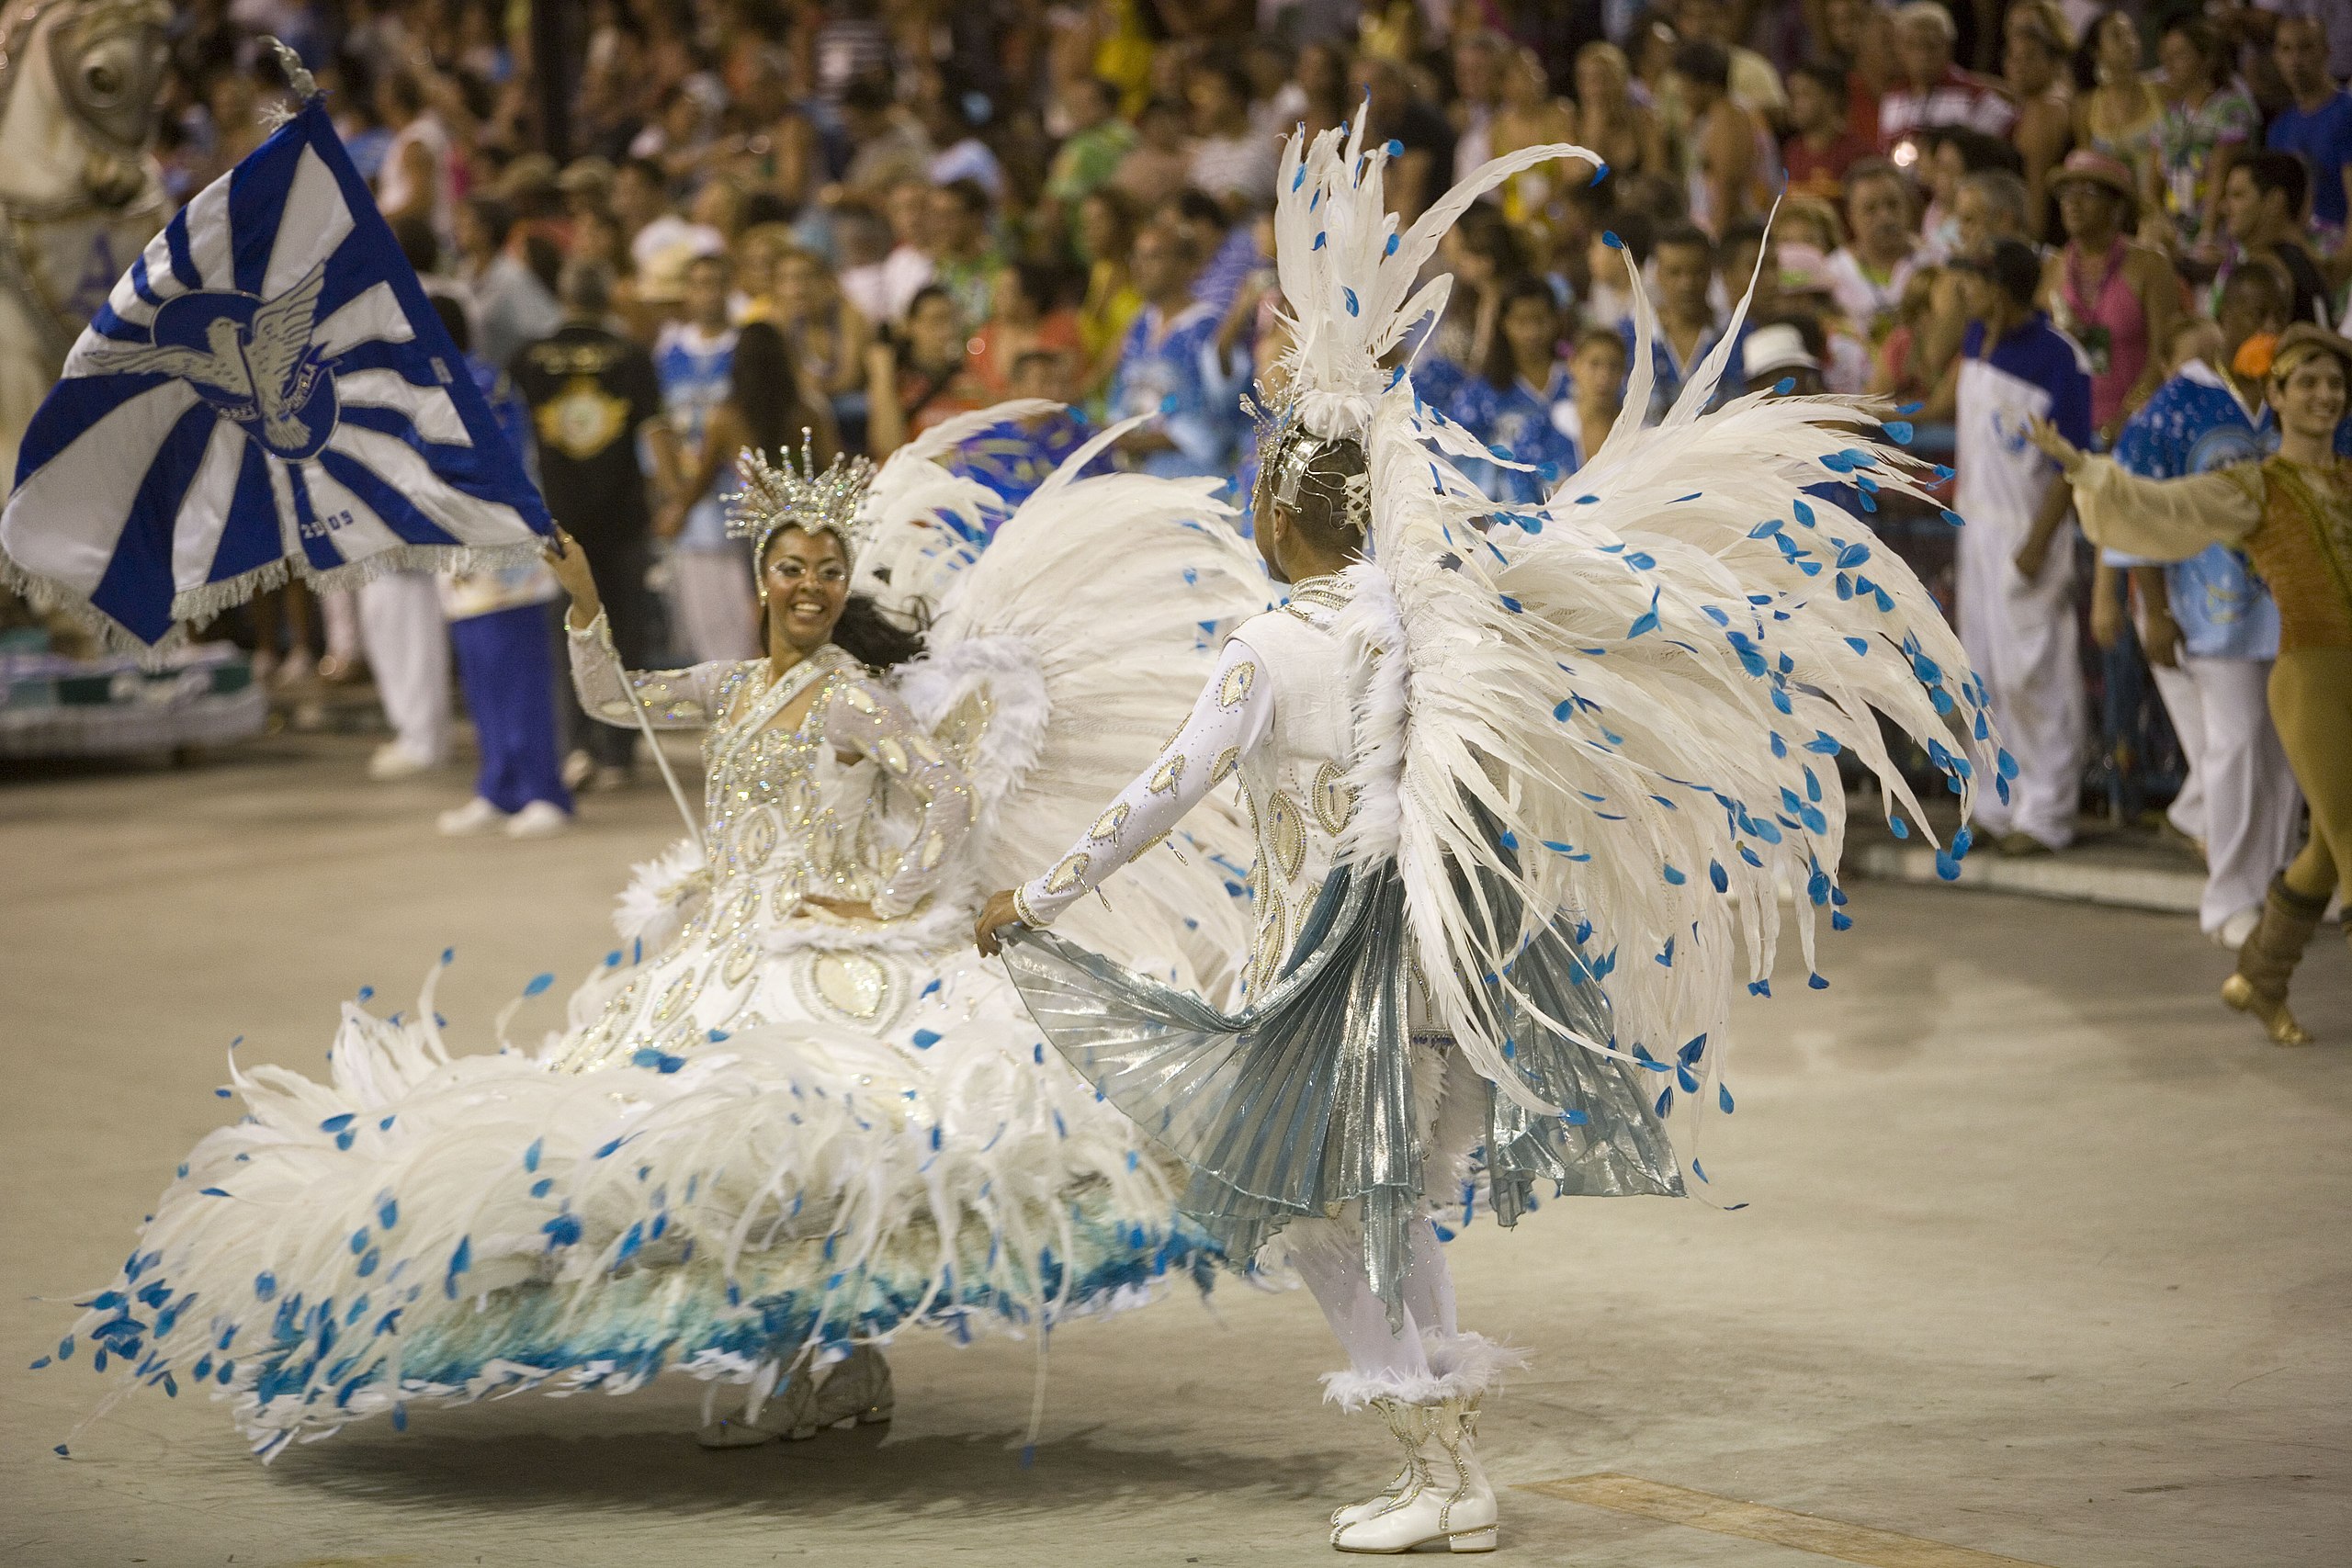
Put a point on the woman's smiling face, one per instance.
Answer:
(807, 579)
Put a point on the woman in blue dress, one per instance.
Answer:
(1520, 404)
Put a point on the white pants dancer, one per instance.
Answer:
(2178, 687)
(718, 608)
(2020, 636)
(408, 649)
(2250, 810)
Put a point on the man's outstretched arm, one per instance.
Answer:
(1230, 716)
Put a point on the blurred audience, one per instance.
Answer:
(864, 219)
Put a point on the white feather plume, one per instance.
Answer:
(662, 895)
(1645, 681)
(924, 522)
(1092, 620)
(418, 1227)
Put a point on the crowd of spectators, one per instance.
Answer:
(890, 212)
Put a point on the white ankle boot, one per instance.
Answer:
(1445, 1503)
(1354, 1512)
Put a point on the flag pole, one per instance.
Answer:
(654, 743)
(562, 544)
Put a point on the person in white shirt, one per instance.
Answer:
(416, 178)
(1229, 158)
(1869, 271)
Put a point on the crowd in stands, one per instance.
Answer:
(866, 217)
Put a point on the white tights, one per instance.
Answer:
(1328, 1256)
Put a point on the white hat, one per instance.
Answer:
(1775, 347)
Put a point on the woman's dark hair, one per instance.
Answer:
(2087, 51)
(1704, 62)
(766, 389)
(2206, 39)
(1485, 231)
(1501, 368)
(875, 639)
(1041, 284)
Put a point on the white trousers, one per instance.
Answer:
(2248, 808)
(2020, 636)
(408, 650)
(718, 608)
(2178, 687)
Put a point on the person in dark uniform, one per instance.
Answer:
(591, 392)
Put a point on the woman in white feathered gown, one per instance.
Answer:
(801, 1113)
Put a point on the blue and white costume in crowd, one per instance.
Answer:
(1524, 426)
(2020, 635)
(693, 367)
(709, 573)
(770, 1135)
(1014, 458)
(1166, 368)
(2240, 797)
(1523, 783)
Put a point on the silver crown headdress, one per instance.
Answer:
(1287, 453)
(797, 495)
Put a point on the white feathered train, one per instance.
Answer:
(731, 1201)
(1648, 679)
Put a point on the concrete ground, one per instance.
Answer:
(2044, 1258)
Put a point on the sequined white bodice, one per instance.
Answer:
(852, 803)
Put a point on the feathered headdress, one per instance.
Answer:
(1348, 281)
(799, 495)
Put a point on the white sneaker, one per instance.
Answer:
(577, 766)
(476, 816)
(393, 760)
(2237, 928)
(539, 819)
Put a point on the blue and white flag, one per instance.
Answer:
(267, 390)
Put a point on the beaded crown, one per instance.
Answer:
(800, 495)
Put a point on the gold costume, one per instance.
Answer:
(2294, 522)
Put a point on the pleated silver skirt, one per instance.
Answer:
(1304, 1101)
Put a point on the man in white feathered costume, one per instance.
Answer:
(1523, 784)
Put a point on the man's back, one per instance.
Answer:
(590, 391)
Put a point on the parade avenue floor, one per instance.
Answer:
(2044, 1258)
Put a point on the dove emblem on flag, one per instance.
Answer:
(266, 391)
(256, 365)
